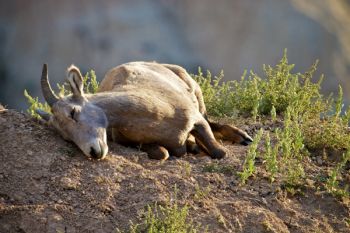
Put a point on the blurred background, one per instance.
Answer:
(232, 35)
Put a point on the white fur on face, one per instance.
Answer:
(84, 124)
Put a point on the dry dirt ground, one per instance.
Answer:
(47, 185)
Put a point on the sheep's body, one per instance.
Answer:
(157, 106)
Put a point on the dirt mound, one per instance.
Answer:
(48, 185)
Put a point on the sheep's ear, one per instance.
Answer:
(75, 81)
(44, 115)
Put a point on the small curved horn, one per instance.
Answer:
(48, 93)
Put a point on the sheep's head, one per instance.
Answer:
(75, 117)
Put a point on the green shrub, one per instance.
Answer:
(270, 158)
(217, 95)
(170, 218)
(330, 129)
(90, 82)
(35, 104)
(255, 96)
(332, 183)
(249, 162)
(319, 119)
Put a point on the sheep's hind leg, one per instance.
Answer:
(230, 133)
(191, 145)
(206, 140)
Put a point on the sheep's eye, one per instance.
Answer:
(72, 113)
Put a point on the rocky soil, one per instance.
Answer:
(48, 185)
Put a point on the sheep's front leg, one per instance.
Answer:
(155, 151)
(177, 151)
(121, 139)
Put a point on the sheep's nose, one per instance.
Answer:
(95, 154)
(100, 152)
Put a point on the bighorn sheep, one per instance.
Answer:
(157, 106)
